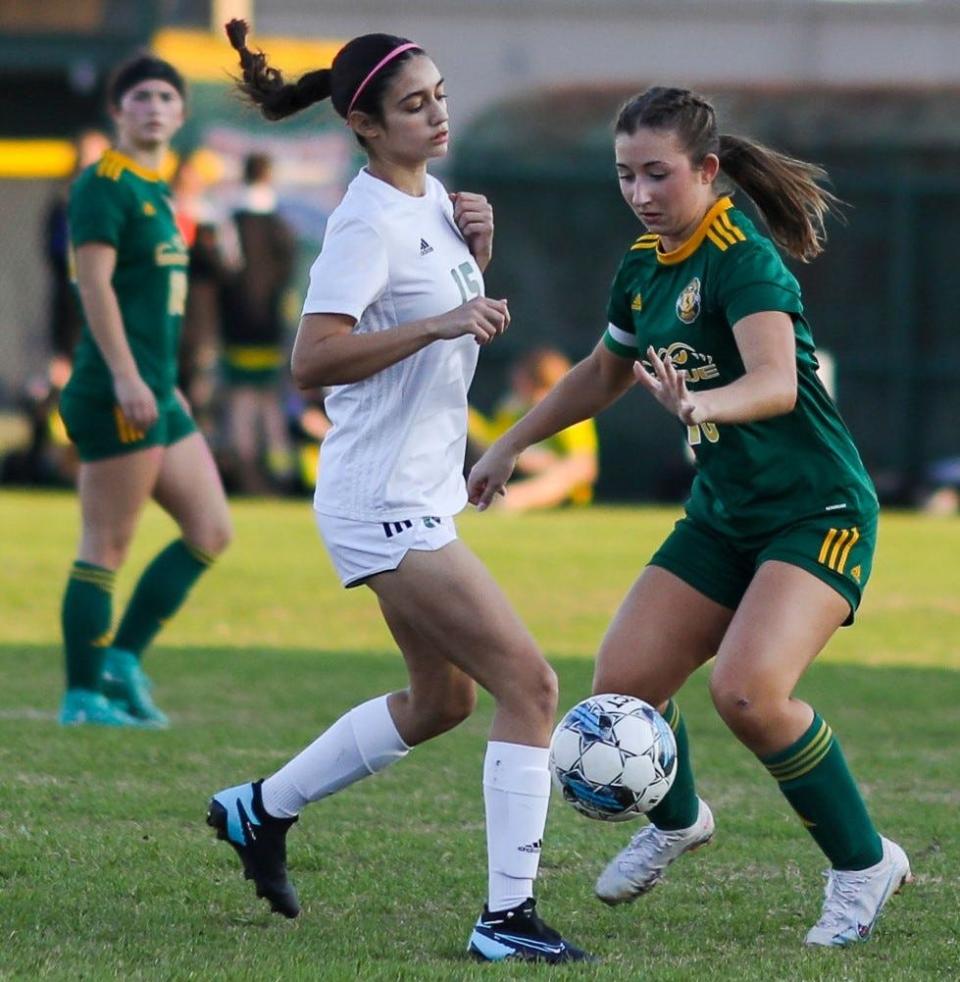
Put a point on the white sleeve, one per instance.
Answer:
(350, 273)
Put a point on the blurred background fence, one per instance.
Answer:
(869, 89)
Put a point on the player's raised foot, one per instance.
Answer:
(641, 866)
(125, 684)
(84, 707)
(519, 934)
(853, 899)
(260, 841)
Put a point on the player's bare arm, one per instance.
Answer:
(327, 352)
(96, 262)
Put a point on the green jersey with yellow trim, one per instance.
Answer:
(752, 478)
(126, 206)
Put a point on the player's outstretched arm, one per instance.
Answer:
(587, 389)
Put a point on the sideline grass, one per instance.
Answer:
(107, 871)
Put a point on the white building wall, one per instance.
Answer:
(489, 49)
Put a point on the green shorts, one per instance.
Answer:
(100, 430)
(254, 365)
(838, 550)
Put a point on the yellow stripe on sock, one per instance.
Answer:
(807, 760)
(809, 766)
(207, 558)
(102, 580)
(800, 758)
(816, 741)
(673, 720)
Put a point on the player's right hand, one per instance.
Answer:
(482, 317)
(489, 476)
(136, 400)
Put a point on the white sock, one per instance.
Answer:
(516, 793)
(360, 743)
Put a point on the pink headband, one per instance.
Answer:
(376, 68)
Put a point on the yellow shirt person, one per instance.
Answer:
(561, 470)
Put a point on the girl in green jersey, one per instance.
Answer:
(133, 430)
(777, 540)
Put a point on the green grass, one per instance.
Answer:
(107, 870)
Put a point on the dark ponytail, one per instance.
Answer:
(785, 190)
(264, 86)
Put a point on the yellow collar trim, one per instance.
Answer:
(693, 243)
(118, 159)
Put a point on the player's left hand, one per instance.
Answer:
(668, 386)
(474, 217)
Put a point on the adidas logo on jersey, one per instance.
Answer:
(425, 248)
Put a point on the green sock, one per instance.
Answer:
(814, 777)
(680, 805)
(161, 589)
(85, 620)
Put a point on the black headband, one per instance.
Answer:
(140, 70)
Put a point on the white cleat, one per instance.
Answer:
(854, 898)
(641, 866)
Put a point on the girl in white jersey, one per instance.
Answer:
(393, 320)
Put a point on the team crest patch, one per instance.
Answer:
(688, 303)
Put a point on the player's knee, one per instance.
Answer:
(459, 706)
(743, 708)
(541, 691)
(106, 547)
(213, 536)
(444, 711)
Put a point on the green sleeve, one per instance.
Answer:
(755, 279)
(620, 336)
(97, 211)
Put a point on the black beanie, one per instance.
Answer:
(138, 70)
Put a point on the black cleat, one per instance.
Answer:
(259, 840)
(519, 934)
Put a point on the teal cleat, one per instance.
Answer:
(126, 685)
(82, 707)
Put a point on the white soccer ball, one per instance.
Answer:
(613, 757)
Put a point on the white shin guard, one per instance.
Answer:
(360, 743)
(516, 792)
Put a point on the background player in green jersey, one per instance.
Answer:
(134, 434)
(777, 540)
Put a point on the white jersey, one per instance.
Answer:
(397, 444)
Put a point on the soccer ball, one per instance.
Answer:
(613, 757)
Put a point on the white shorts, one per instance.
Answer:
(360, 550)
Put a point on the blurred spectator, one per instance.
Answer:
(47, 457)
(943, 483)
(561, 470)
(200, 331)
(64, 310)
(252, 329)
(308, 425)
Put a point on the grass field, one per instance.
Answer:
(107, 869)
